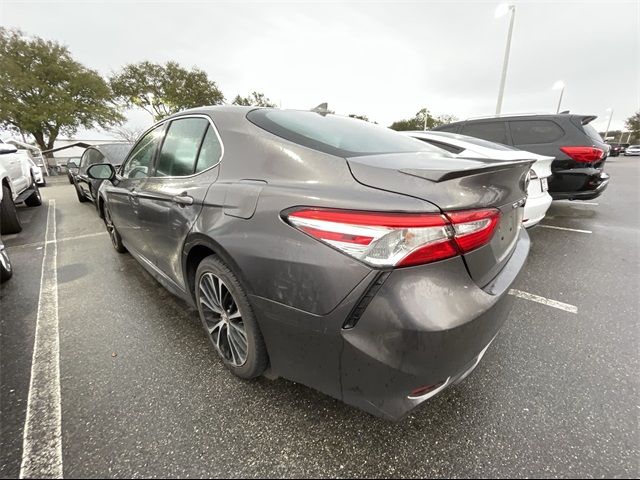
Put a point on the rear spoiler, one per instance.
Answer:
(584, 119)
(443, 175)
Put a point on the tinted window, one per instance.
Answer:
(90, 157)
(527, 132)
(492, 131)
(180, 148)
(210, 152)
(115, 153)
(444, 146)
(592, 132)
(448, 128)
(475, 141)
(140, 161)
(336, 135)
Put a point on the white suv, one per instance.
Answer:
(18, 185)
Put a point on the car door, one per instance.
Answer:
(123, 194)
(91, 156)
(186, 167)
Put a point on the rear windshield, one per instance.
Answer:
(474, 141)
(592, 132)
(336, 135)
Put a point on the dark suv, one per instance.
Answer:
(579, 151)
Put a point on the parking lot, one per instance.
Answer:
(143, 395)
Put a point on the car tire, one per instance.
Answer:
(35, 199)
(229, 320)
(6, 271)
(81, 197)
(116, 239)
(9, 221)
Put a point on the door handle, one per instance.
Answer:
(182, 200)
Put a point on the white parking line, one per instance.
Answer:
(545, 301)
(65, 239)
(578, 202)
(42, 439)
(564, 228)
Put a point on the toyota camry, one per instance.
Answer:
(324, 249)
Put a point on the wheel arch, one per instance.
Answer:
(196, 248)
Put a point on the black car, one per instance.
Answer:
(579, 151)
(113, 153)
(615, 149)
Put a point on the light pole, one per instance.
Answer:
(501, 11)
(610, 110)
(559, 85)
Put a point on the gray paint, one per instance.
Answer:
(302, 290)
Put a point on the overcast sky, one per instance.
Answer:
(385, 60)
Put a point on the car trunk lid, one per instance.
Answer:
(451, 184)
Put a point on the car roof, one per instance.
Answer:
(522, 116)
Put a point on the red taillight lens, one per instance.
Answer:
(583, 154)
(398, 239)
(475, 228)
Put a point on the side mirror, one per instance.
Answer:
(101, 171)
(6, 148)
(72, 164)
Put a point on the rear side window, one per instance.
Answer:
(492, 131)
(334, 134)
(210, 152)
(180, 148)
(592, 132)
(528, 132)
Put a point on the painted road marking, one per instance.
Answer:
(545, 301)
(42, 439)
(564, 228)
(65, 239)
(578, 202)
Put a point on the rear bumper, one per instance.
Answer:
(579, 186)
(535, 209)
(427, 325)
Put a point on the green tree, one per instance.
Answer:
(254, 99)
(164, 89)
(44, 92)
(421, 119)
(633, 126)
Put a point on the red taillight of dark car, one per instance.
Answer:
(583, 154)
(398, 239)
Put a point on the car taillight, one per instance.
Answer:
(583, 154)
(398, 239)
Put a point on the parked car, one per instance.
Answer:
(72, 168)
(6, 270)
(113, 153)
(538, 198)
(632, 150)
(37, 173)
(18, 185)
(579, 151)
(338, 253)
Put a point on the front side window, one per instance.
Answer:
(492, 131)
(528, 132)
(180, 148)
(334, 134)
(140, 161)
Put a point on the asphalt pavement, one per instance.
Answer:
(143, 395)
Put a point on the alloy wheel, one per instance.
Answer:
(223, 319)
